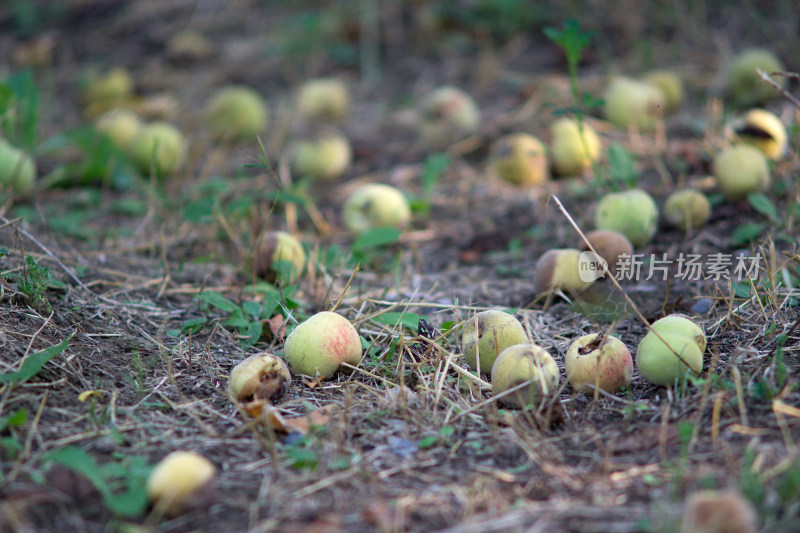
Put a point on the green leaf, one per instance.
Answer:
(24, 117)
(375, 237)
(435, 166)
(16, 419)
(428, 442)
(746, 233)
(393, 318)
(447, 431)
(622, 166)
(34, 362)
(252, 308)
(763, 205)
(215, 299)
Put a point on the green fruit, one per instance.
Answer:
(324, 99)
(376, 205)
(236, 113)
(688, 208)
(17, 169)
(121, 125)
(112, 87)
(573, 153)
(671, 87)
(521, 363)
(159, 147)
(318, 346)
(765, 131)
(325, 158)
(279, 257)
(740, 170)
(519, 159)
(630, 102)
(608, 366)
(259, 377)
(561, 269)
(448, 115)
(657, 361)
(633, 213)
(745, 84)
(487, 334)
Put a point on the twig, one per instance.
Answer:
(764, 76)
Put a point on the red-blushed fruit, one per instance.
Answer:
(261, 376)
(718, 512)
(589, 364)
(318, 346)
(612, 246)
(182, 481)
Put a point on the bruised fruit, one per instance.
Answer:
(259, 377)
(630, 102)
(745, 84)
(448, 115)
(182, 481)
(687, 208)
(324, 158)
(740, 170)
(236, 112)
(159, 147)
(318, 346)
(612, 246)
(17, 169)
(279, 256)
(633, 213)
(590, 364)
(561, 269)
(376, 205)
(121, 125)
(765, 131)
(671, 87)
(658, 363)
(324, 99)
(519, 159)
(521, 363)
(575, 147)
(718, 512)
(487, 334)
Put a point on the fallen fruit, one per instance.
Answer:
(740, 170)
(189, 45)
(521, 363)
(236, 112)
(633, 213)
(259, 377)
(671, 87)
(180, 482)
(486, 335)
(324, 99)
(448, 115)
(745, 84)
(765, 131)
(325, 158)
(687, 208)
(719, 512)
(608, 366)
(279, 257)
(111, 88)
(318, 346)
(159, 147)
(657, 361)
(630, 102)
(612, 246)
(376, 205)
(17, 169)
(121, 125)
(519, 159)
(575, 147)
(561, 269)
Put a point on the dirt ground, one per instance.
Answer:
(132, 299)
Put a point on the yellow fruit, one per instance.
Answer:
(159, 147)
(571, 152)
(318, 346)
(325, 99)
(113, 87)
(236, 113)
(520, 159)
(671, 87)
(608, 366)
(487, 334)
(121, 125)
(279, 257)
(765, 131)
(376, 205)
(180, 482)
(448, 115)
(259, 377)
(560, 269)
(687, 208)
(630, 102)
(740, 170)
(325, 158)
(657, 361)
(521, 363)
(745, 84)
(17, 169)
(633, 213)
